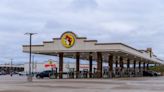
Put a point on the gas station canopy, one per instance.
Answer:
(70, 44)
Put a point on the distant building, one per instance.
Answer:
(7, 68)
(67, 67)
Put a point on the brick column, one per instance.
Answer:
(139, 66)
(60, 65)
(116, 63)
(134, 67)
(128, 64)
(110, 64)
(77, 64)
(90, 65)
(147, 66)
(99, 65)
(144, 66)
(121, 63)
(128, 67)
(121, 66)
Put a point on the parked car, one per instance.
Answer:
(1, 73)
(22, 73)
(147, 73)
(159, 74)
(44, 74)
(151, 73)
(156, 73)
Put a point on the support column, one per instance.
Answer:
(155, 64)
(134, 67)
(116, 66)
(60, 65)
(121, 63)
(147, 66)
(139, 66)
(56, 73)
(140, 70)
(128, 64)
(121, 66)
(99, 65)
(110, 64)
(90, 65)
(128, 67)
(143, 66)
(116, 63)
(77, 64)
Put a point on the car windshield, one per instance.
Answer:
(48, 71)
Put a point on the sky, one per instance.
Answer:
(137, 23)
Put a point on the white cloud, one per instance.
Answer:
(138, 23)
(118, 27)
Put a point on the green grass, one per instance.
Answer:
(157, 68)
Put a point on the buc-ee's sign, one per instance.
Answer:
(68, 39)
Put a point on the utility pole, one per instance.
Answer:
(29, 78)
(11, 66)
(33, 61)
(10, 70)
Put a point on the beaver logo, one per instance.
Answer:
(68, 40)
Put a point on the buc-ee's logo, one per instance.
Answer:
(68, 40)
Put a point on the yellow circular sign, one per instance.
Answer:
(68, 40)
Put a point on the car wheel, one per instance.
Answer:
(38, 77)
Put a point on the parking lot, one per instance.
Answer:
(20, 84)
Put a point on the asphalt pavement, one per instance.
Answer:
(142, 84)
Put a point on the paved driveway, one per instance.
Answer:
(19, 84)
